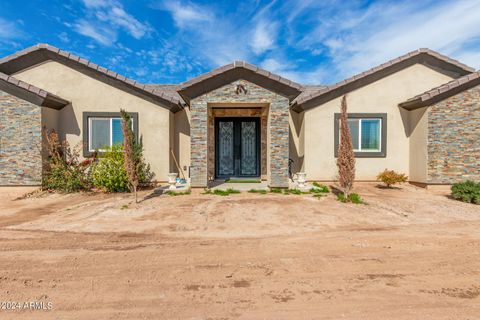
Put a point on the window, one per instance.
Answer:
(368, 133)
(104, 133)
(102, 130)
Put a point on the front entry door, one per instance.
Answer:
(237, 147)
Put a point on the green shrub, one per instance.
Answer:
(275, 190)
(109, 172)
(219, 192)
(261, 191)
(353, 198)
(390, 177)
(64, 171)
(467, 191)
(319, 188)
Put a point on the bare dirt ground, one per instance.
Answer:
(408, 254)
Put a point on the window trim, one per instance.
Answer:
(383, 134)
(109, 115)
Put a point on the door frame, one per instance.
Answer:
(237, 133)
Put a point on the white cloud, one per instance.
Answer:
(186, 15)
(9, 30)
(290, 71)
(102, 35)
(105, 18)
(356, 38)
(264, 37)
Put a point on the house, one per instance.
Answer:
(418, 114)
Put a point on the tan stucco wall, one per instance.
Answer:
(296, 143)
(382, 96)
(418, 127)
(181, 139)
(90, 95)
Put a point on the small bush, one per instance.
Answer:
(64, 171)
(468, 191)
(353, 198)
(319, 188)
(172, 193)
(261, 191)
(275, 190)
(109, 173)
(219, 192)
(390, 177)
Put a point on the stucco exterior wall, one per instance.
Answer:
(382, 96)
(90, 95)
(418, 127)
(297, 139)
(454, 138)
(20, 141)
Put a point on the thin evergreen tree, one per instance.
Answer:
(346, 156)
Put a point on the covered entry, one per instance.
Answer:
(246, 147)
(237, 147)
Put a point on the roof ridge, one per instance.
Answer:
(239, 64)
(381, 67)
(107, 72)
(450, 85)
(31, 88)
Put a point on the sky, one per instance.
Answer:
(310, 41)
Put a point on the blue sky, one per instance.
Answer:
(311, 41)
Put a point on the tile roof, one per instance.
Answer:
(443, 91)
(239, 70)
(379, 69)
(244, 65)
(44, 96)
(57, 53)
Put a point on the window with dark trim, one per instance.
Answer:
(369, 134)
(102, 130)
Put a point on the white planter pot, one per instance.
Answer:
(301, 179)
(172, 180)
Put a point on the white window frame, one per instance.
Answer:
(90, 131)
(360, 120)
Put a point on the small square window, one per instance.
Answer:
(368, 133)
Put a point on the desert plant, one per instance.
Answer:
(346, 157)
(261, 191)
(219, 192)
(64, 171)
(109, 172)
(319, 188)
(132, 159)
(352, 197)
(390, 177)
(467, 191)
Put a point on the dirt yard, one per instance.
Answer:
(408, 254)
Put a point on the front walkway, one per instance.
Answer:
(242, 186)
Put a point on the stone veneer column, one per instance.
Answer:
(20, 141)
(454, 138)
(199, 148)
(279, 139)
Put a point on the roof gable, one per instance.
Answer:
(234, 71)
(423, 56)
(442, 92)
(30, 93)
(43, 52)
